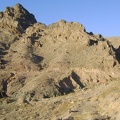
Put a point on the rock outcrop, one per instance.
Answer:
(16, 19)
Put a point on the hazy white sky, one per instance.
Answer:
(98, 16)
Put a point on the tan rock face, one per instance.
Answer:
(16, 19)
(39, 61)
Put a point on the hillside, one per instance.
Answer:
(56, 72)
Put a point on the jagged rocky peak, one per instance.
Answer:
(68, 25)
(17, 17)
(19, 12)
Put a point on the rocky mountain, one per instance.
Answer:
(56, 72)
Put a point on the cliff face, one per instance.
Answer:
(39, 61)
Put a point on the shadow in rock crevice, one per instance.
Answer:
(76, 78)
(92, 42)
(3, 62)
(118, 54)
(2, 52)
(3, 91)
(37, 59)
(68, 84)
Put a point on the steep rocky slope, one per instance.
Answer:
(61, 62)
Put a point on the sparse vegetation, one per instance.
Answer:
(56, 72)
